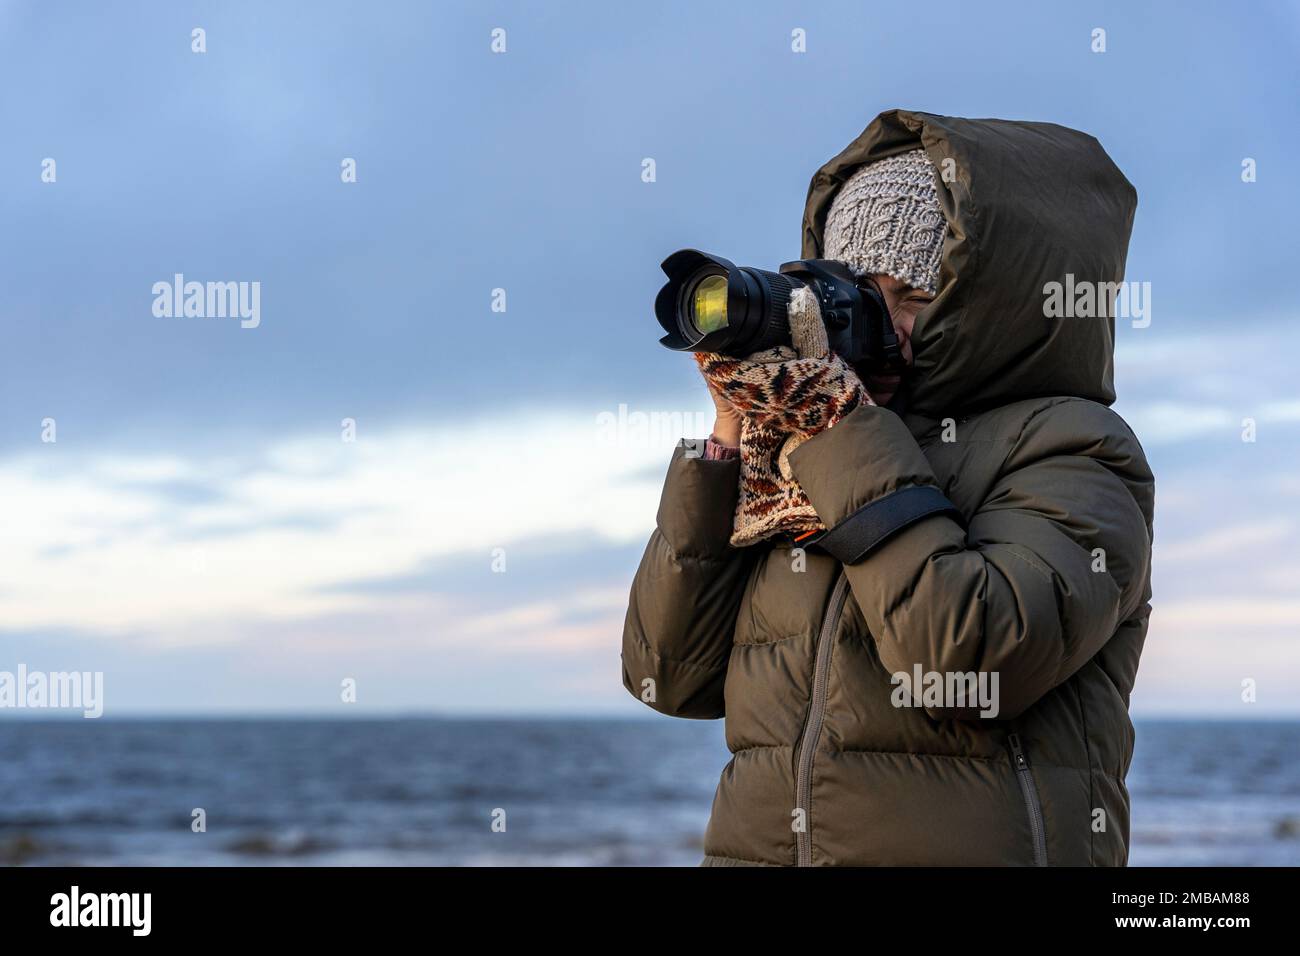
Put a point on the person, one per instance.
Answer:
(918, 602)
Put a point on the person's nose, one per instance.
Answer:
(904, 340)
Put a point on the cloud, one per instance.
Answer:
(1160, 422)
(1285, 411)
(258, 573)
(1232, 616)
(1177, 387)
(1225, 542)
(313, 525)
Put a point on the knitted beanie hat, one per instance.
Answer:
(886, 218)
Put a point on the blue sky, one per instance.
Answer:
(200, 532)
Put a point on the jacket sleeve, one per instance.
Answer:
(682, 611)
(1048, 566)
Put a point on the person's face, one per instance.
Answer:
(904, 304)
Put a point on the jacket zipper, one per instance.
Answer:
(816, 713)
(1026, 777)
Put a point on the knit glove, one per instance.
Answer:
(799, 391)
(785, 396)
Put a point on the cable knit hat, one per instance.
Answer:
(886, 218)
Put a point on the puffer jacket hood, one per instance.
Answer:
(996, 529)
(1027, 204)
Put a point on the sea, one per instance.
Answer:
(518, 791)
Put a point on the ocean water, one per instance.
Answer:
(570, 792)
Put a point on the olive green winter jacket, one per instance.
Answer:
(999, 526)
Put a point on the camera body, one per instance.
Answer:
(709, 304)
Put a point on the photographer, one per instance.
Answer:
(851, 544)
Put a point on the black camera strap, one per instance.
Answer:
(877, 521)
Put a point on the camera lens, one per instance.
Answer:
(708, 305)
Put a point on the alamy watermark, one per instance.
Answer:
(1098, 300)
(654, 429)
(132, 911)
(209, 300)
(58, 690)
(947, 690)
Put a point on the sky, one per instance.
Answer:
(201, 531)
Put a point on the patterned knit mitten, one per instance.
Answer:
(785, 395)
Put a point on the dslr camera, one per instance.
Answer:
(709, 304)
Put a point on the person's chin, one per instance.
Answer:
(882, 387)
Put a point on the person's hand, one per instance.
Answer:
(796, 391)
(726, 421)
(794, 396)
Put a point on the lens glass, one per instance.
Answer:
(709, 304)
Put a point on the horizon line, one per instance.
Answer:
(50, 715)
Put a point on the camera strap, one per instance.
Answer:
(877, 521)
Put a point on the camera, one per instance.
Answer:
(709, 304)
